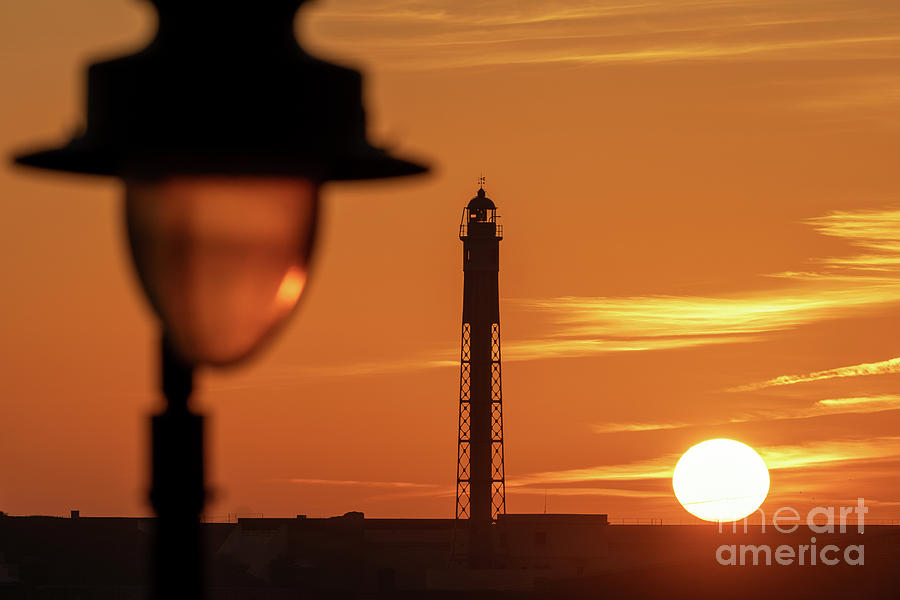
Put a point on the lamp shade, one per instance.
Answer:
(225, 88)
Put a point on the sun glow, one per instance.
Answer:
(721, 480)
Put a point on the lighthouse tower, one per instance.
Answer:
(480, 479)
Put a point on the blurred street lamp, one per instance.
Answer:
(222, 130)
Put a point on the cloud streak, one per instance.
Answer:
(777, 457)
(353, 483)
(650, 322)
(840, 287)
(874, 230)
(416, 34)
(813, 454)
(645, 479)
(827, 407)
(835, 48)
(884, 367)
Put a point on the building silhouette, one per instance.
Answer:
(539, 557)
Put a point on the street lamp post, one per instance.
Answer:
(223, 130)
(177, 483)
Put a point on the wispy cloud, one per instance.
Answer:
(656, 468)
(644, 478)
(462, 15)
(381, 367)
(793, 456)
(883, 367)
(590, 491)
(838, 287)
(872, 97)
(788, 456)
(353, 483)
(885, 402)
(422, 34)
(827, 407)
(617, 337)
(837, 48)
(660, 322)
(493, 13)
(877, 231)
(636, 427)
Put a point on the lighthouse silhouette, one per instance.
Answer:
(480, 479)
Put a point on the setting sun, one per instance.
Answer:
(721, 480)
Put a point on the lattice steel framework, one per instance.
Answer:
(498, 472)
(463, 468)
(463, 474)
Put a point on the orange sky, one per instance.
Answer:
(702, 239)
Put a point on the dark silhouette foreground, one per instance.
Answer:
(539, 556)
